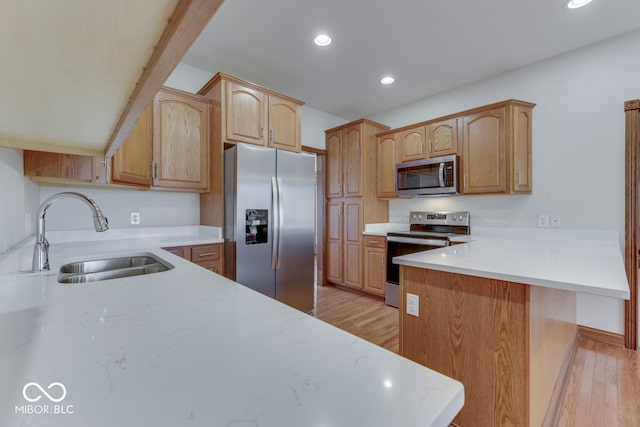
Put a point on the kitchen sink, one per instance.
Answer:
(111, 268)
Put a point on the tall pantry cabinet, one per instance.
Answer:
(351, 199)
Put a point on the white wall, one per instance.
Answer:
(578, 147)
(188, 78)
(20, 200)
(314, 123)
(156, 208)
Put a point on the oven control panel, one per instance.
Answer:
(440, 218)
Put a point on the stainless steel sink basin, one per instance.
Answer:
(111, 268)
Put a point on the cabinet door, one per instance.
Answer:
(246, 114)
(334, 164)
(375, 271)
(521, 150)
(484, 151)
(131, 164)
(386, 166)
(284, 124)
(412, 144)
(443, 138)
(180, 142)
(334, 242)
(353, 243)
(352, 158)
(63, 168)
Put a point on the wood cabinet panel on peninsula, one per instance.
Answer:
(351, 199)
(509, 343)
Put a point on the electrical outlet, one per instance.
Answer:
(543, 220)
(412, 304)
(135, 218)
(555, 221)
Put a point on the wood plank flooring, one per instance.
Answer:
(603, 389)
(369, 318)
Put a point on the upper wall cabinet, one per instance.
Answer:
(168, 148)
(412, 144)
(493, 142)
(386, 166)
(496, 153)
(256, 115)
(443, 138)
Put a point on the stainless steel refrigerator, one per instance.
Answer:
(269, 222)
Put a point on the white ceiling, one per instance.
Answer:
(429, 46)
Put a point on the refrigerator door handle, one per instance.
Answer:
(275, 232)
(280, 221)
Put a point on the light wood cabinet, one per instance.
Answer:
(412, 144)
(132, 163)
(353, 227)
(57, 168)
(168, 148)
(334, 163)
(257, 115)
(351, 200)
(180, 141)
(484, 168)
(208, 256)
(386, 166)
(243, 112)
(443, 138)
(375, 268)
(333, 258)
(496, 153)
(494, 144)
(352, 161)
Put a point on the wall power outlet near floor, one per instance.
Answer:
(412, 304)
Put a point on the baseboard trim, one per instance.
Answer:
(601, 336)
(554, 410)
(357, 291)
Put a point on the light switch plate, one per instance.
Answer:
(412, 304)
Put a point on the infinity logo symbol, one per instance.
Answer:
(43, 391)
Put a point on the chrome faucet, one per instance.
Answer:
(41, 250)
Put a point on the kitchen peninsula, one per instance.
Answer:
(499, 315)
(189, 347)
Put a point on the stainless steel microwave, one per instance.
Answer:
(437, 176)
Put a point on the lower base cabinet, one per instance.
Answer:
(208, 256)
(375, 267)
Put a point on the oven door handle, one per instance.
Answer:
(415, 241)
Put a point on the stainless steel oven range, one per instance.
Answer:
(427, 230)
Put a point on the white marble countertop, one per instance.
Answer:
(587, 263)
(189, 347)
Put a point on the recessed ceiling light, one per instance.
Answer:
(322, 40)
(387, 80)
(574, 4)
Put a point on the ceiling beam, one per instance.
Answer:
(185, 25)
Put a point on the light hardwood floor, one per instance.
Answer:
(604, 386)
